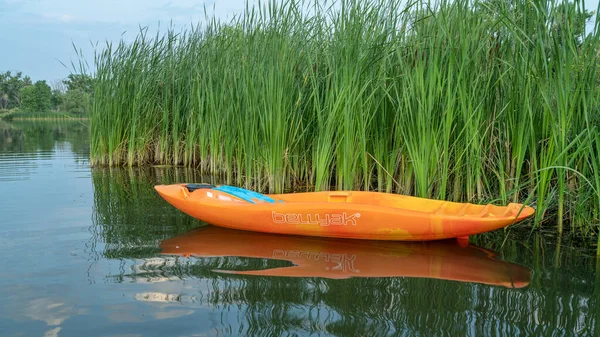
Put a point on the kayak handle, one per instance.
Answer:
(339, 196)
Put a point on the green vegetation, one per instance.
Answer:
(77, 97)
(51, 115)
(33, 136)
(37, 97)
(10, 87)
(123, 200)
(468, 101)
(72, 96)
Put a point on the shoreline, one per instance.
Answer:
(47, 119)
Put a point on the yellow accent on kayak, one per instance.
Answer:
(344, 214)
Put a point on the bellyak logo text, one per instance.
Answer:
(342, 219)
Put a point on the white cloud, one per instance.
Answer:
(157, 297)
(58, 17)
(52, 332)
(172, 314)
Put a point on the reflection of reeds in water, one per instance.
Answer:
(34, 136)
(129, 217)
(557, 298)
(379, 306)
(25, 146)
(133, 221)
(10, 138)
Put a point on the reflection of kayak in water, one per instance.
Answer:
(342, 214)
(339, 259)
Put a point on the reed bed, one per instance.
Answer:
(461, 100)
(42, 116)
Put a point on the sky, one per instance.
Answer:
(37, 36)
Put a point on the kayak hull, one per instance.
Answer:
(345, 214)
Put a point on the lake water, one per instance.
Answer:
(96, 252)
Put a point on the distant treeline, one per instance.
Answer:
(19, 93)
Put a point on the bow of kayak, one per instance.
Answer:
(340, 214)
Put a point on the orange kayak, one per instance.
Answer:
(341, 259)
(345, 214)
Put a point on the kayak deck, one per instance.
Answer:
(407, 203)
(341, 214)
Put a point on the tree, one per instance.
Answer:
(76, 101)
(43, 95)
(10, 86)
(3, 100)
(28, 101)
(58, 98)
(81, 82)
(59, 88)
(78, 97)
(36, 98)
(73, 94)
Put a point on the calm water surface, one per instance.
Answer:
(95, 252)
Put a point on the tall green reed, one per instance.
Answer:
(462, 100)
